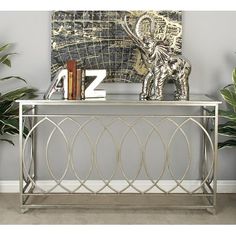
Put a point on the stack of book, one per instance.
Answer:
(76, 83)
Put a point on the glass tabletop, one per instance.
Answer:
(123, 99)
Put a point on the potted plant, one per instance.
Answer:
(228, 128)
(9, 119)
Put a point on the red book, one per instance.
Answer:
(71, 67)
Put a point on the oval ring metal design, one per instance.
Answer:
(154, 129)
(82, 128)
(106, 182)
(178, 183)
(130, 128)
(23, 153)
(58, 182)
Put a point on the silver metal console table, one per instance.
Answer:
(164, 152)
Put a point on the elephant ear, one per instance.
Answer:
(166, 28)
(169, 31)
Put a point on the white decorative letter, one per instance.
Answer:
(90, 91)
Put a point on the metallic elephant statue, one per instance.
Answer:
(162, 64)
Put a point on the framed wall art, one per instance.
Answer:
(97, 40)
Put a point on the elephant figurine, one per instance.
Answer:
(161, 63)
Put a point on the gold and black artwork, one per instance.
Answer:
(97, 40)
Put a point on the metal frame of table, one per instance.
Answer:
(207, 187)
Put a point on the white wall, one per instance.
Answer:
(209, 42)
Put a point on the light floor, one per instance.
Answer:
(10, 214)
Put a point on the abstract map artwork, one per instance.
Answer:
(96, 40)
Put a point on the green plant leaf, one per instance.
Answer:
(12, 124)
(229, 124)
(5, 106)
(231, 115)
(9, 109)
(229, 86)
(228, 143)
(227, 131)
(13, 77)
(229, 96)
(6, 140)
(234, 78)
(2, 48)
(5, 57)
(19, 93)
(13, 111)
(7, 62)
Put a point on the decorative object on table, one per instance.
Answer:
(228, 128)
(82, 83)
(70, 86)
(161, 63)
(96, 40)
(78, 83)
(58, 84)
(82, 94)
(9, 109)
(67, 81)
(90, 91)
(72, 79)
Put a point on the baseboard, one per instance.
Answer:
(226, 186)
(223, 186)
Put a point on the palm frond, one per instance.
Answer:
(7, 140)
(5, 59)
(4, 47)
(9, 109)
(228, 143)
(18, 93)
(231, 115)
(13, 77)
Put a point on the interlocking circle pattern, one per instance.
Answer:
(105, 132)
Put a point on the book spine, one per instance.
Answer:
(71, 67)
(83, 84)
(70, 86)
(78, 84)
